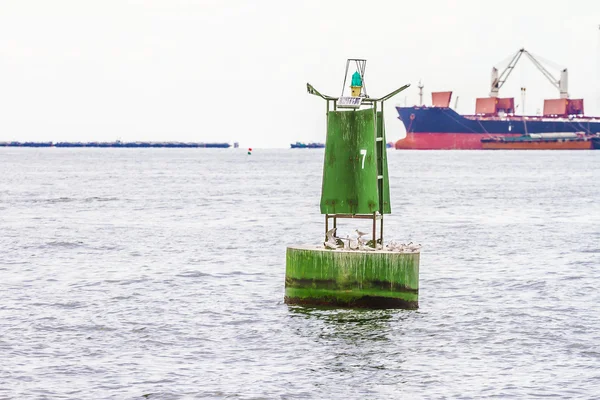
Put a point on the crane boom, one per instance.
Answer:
(544, 71)
(498, 81)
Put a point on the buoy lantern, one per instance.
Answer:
(356, 84)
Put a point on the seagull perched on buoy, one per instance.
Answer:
(363, 247)
(330, 234)
(404, 248)
(330, 245)
(347, 243)
(360, 234)
(360, 238)
(414, 248)
(331, 242)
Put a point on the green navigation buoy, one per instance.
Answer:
(358, 271)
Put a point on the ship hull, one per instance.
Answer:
(437, 128)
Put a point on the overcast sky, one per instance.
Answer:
(237, 70)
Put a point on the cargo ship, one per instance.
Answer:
(439, 127)
(542, 141)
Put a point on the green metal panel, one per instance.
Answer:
(387, 207)
(350, 169)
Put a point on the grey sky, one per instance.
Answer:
(236, 70)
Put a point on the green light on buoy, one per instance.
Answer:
(356, 84)
(356, 79)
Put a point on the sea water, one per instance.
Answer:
(159, 273)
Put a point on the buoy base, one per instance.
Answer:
(357, 279)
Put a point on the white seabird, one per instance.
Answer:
(330, 234)
(360, 234)
(331, 242)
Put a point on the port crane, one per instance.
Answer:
(498, 80)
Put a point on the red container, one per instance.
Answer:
(575, 107)
(506, 104)
(555, 107)
(441, 99)
(486, 105)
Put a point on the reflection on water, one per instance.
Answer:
(351, 339)
(347, 324)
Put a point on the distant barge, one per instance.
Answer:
(542, 141)
(300, 145)
(117, 144)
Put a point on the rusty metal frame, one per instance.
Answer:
(374, 217)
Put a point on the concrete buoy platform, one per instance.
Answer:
(351, 278)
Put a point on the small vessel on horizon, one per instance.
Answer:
(301, 145)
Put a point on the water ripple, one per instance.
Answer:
(158, 274)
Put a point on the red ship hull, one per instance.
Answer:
(444, 141)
